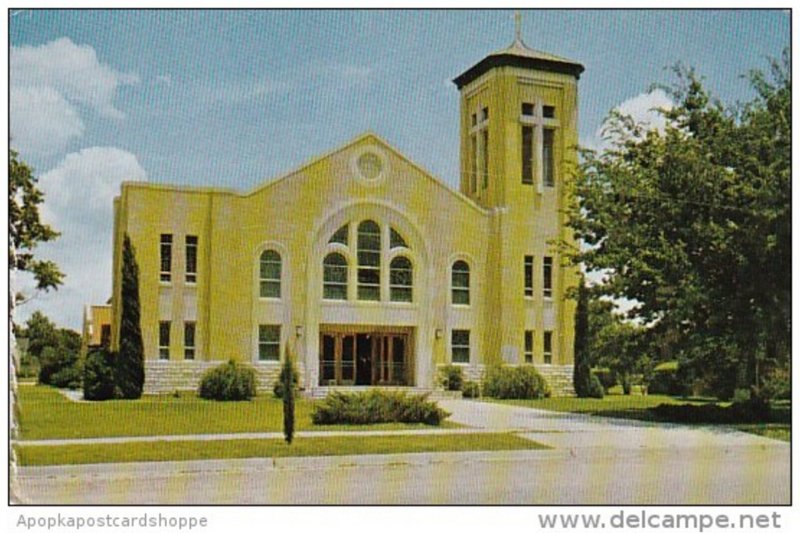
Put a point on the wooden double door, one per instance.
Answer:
(365, 358)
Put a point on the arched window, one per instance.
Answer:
(460, 283)
(270, 274)
(369, 261)
(401, 279)
(334, 277)
(396, 240)
(341, 235)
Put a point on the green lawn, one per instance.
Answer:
(239, 449)
(636, 406)
(45, 414)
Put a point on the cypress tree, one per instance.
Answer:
(129, 368)
(287, 380)
(582, 372)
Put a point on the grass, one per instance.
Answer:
(45, 414)
(637, 407)
(247, 448)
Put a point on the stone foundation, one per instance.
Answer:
(168, 376)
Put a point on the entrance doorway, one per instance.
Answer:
(379, 356)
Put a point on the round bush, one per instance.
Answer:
(471, 389)
(451, 377)
(596, 389)
(228, 382)
(522, 382)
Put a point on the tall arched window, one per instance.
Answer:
(460, 283)
(401, 278)
(334, 277)
(369, 261)
(270, 274)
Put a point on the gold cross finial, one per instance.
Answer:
(518, 25)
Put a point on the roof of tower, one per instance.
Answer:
(518, 54)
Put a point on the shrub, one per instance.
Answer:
(607, 377)
(70, 377)
(744, 412)
(278, 388)
(471, 389)
(228, 382)
(28, 366)
(777, 384)
(451, 377)
(595, 388)
(53, 361)
(521, 382)
(288, 379)
(98, 375)
(376, 407)
(668, 379)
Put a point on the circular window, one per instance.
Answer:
(370, 166)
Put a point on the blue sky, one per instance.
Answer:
(233, 98)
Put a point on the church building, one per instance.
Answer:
(364, 267)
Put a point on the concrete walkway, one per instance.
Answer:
(251, 436)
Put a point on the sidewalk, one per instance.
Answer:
(251, 436)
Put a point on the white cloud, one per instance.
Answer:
(49, 84)
(42, 121)
(79, 195)
(643, 109)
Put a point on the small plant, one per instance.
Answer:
(376, 407)
(596, 389)
(98, 375)
(451, 377)
(522, 382)
(471, 389)
(228, 382)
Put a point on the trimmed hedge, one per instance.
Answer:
(376, 407)
(228, 382)
(744, 412)
(521, 382)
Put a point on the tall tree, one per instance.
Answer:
(129, 368)
(693, 223)
(26, 230)
(582, 370)
(288, 382)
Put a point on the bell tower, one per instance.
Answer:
(518, 149)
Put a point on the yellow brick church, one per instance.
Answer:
(369, 270)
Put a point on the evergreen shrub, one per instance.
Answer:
(521, 382)
(451, 377)
(228, 382)
(376, 407)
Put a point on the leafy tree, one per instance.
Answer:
(694, 223)
(582, 370)
(287, 379)
(26, 231)
(129, 371)
(40, 332)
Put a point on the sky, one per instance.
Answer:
(236, 98)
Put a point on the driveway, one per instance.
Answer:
(593, 461)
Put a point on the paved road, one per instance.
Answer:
(595, 461)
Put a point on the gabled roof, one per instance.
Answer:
(518, 54)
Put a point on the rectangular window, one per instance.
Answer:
(474, 120)
(548, 158)
(485, 156)
(105, 335)
(548, 111)
(166, 257)
(547, 277)
(528, 346)
(527, 155)
(269, 343)
(548, 347)
(529, 275)
(163, 339)
(188, 340)
(191, 259)
(460, 345)
(527, 109)
(484, 114)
